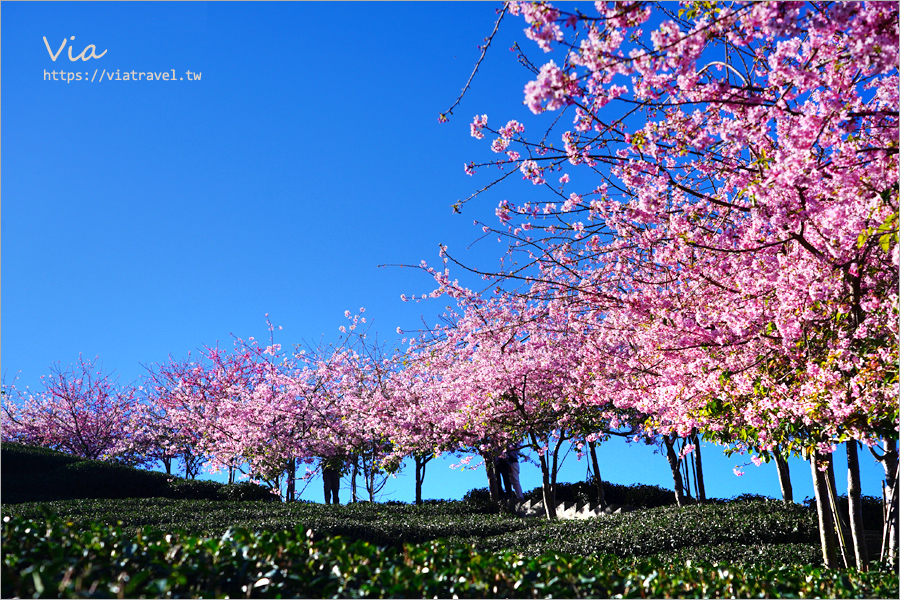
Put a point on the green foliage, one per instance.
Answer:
(193, 489)
(60, 558)
(885, 234)
(669, 530)
(21, 458)
(82, 479)
(479, 499)
(34, 474)
(245, 491)
(376, 523)
(199, 542)
(743, 532)
(872, 510)
(759, 555)
(637, 495)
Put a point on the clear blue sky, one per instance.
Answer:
(142, 219)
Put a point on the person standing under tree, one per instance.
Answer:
(501, 466)
(331, 477)
(512, 459)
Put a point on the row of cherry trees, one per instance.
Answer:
(719, 224)
(716, 255)
(251, 409)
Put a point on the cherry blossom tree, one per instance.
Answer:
(81, 411)
(352, 415)
(735, 225)
(245, 408)
(504, 369)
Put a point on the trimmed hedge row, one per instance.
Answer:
(664, 530)
(35, 474)
(55, 558)
(757, 532)
(386, 525)
(638, 495)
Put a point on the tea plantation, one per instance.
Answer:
(193, 539)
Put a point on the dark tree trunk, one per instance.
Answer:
(784, 477)
(354, 471)
(826, 520)
(601, 499)
(290, 488)
(547, 489)
(191, 465)
(493, 484)
(854, 498)
(685, 473)
(701, 486)
(672, 457)
(555, 470)
(421, 462)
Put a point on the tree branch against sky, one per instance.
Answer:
(738, 198)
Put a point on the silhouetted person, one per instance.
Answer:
(331, 477)
(512, 460)
(501, 466)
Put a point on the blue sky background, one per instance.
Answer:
(143, 219)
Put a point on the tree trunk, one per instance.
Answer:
(601, 499)
(421, 461)
(191, 465)
(784, 477)
(369, 472)
(701, 486)
(354, 470)
(672, 457)
(891, 496)
(840, 523)
(493, 484)
(685, 472)
(547, 489)
(855, 503)
(555, 470)
(823, 508)
(290, 490)
(889, 556)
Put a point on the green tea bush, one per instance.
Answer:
(742, 532)
(667, 530)
(34, 474)
(83, 479)
(193, 489)
(54, 558)
(245, 491)
(19, 458)
(584, 492)
(750, 498)
(376, 523)
(479, 500)
(769, 555)
(872, 510)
